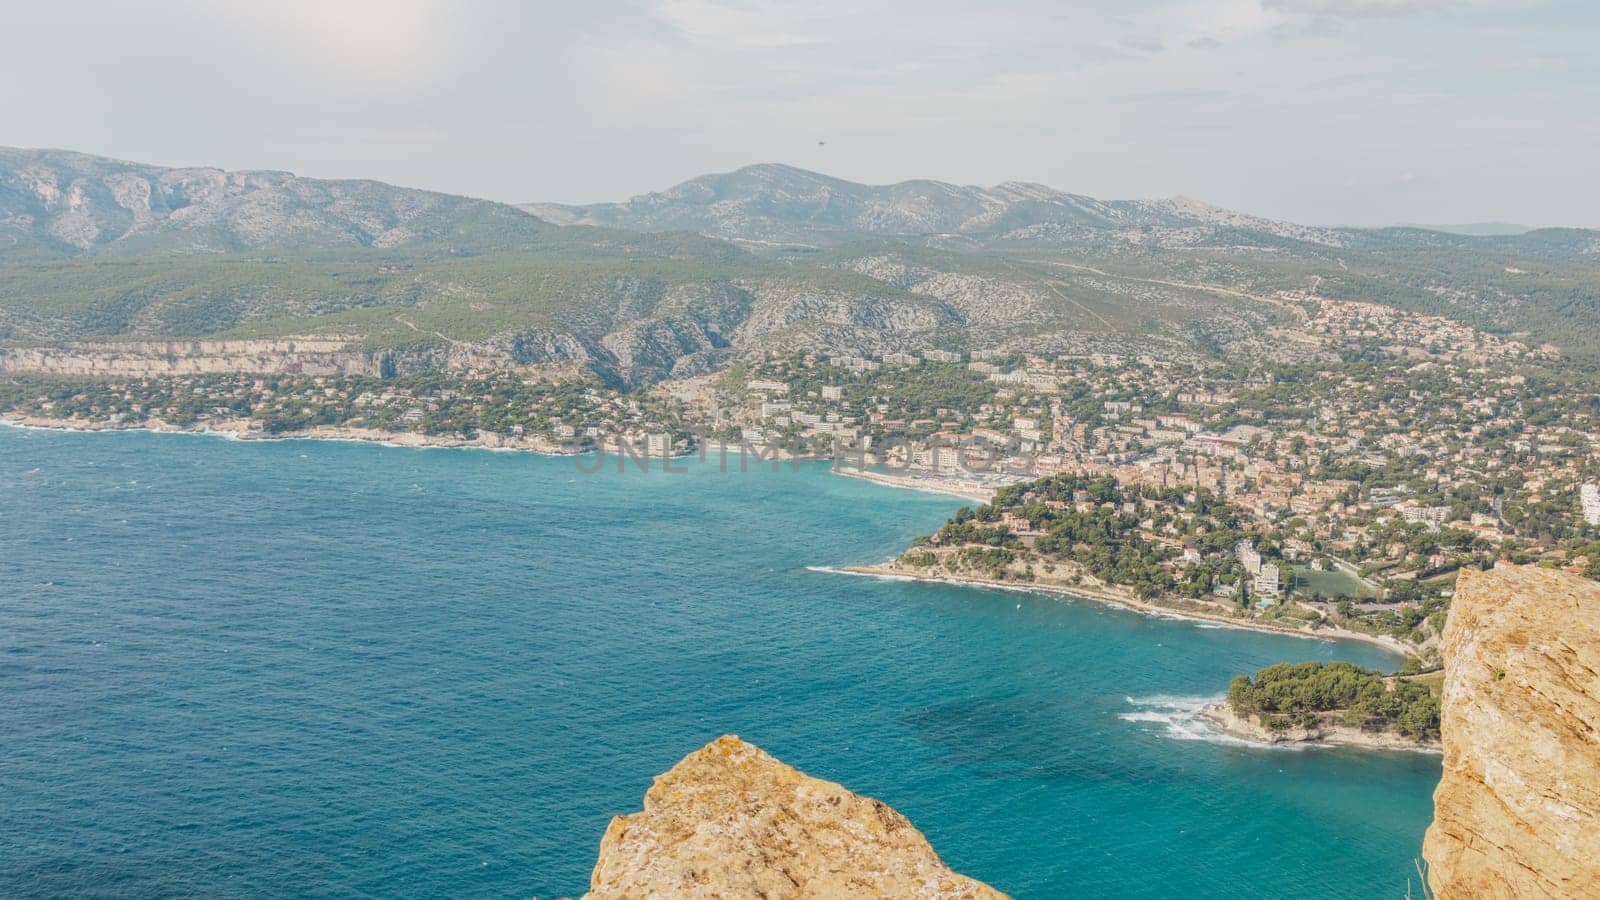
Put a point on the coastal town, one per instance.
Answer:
(1361, 481)
(1353, 482)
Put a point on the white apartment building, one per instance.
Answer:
(1430, 515)
(1267, 583)
(1250, 557)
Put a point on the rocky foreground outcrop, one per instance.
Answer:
(1517, 813)
(731, 821)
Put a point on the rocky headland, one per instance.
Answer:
(731, 821)
(1326, 731)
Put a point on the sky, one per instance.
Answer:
(1360, 112)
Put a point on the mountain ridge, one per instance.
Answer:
(688, 279)
(62, 203)
(778, 203)
(755, 202)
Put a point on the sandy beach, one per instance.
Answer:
(966, 489)
(1115, 596)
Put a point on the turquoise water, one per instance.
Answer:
(247, 669)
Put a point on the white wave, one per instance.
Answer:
(880, 576)
(221, 435)
(1208, 625)
(1173, 701)
(1180, 719)
(956, 582)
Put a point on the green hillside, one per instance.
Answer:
(92, 248)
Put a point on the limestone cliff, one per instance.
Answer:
(143, 359)
(1517, 813)
(731, 821)
(545, 352)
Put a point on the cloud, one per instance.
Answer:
(1273, 106)
(383, 41)
(1143, 43)
(1358, 9)
(745, 25)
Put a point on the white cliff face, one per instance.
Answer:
(531, 351)
(1517, 812)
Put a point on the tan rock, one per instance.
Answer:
(731, 821)
(1517, 813)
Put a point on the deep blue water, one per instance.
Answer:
(246, 669)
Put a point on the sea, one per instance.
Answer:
(259, 669)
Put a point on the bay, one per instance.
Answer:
(270, 668)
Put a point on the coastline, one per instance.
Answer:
(1113, 596)
(1325, 735)
(239, 430)
(1219, 714)
(953, 487)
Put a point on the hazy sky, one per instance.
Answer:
(1321, 111)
